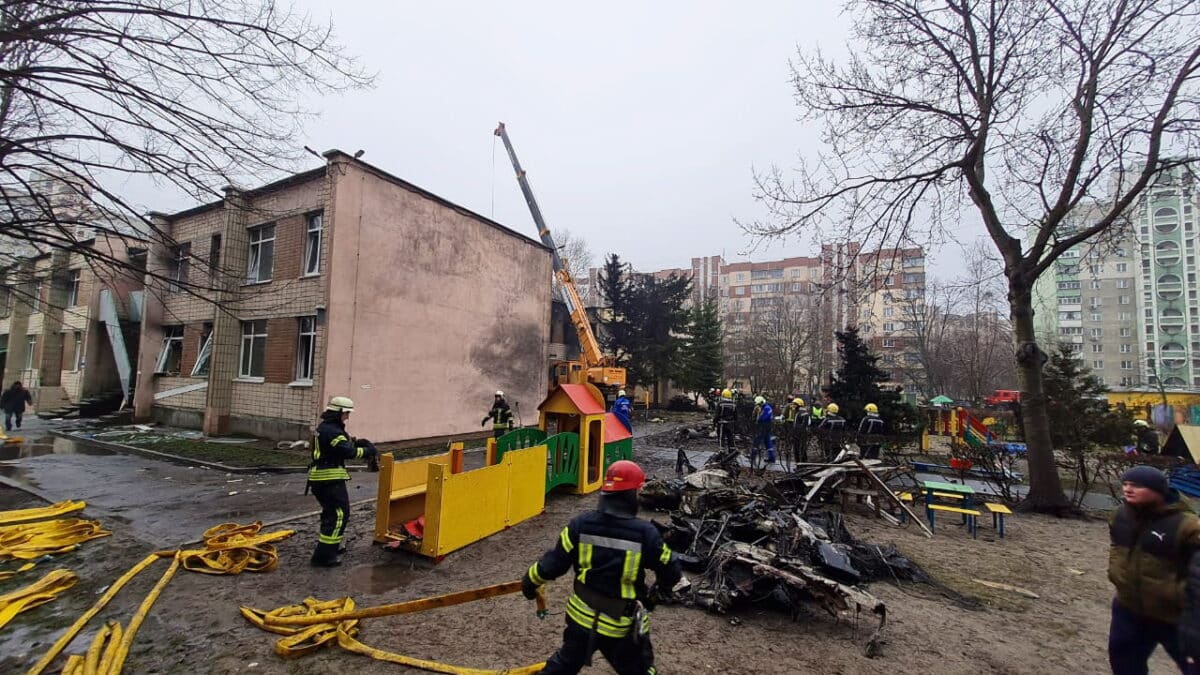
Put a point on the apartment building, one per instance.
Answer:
(68, 320)
(342, 280)
(1169, 325)
(891, 303)
(1089, 300)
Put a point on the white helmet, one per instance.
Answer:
(500, 393)
(340, 404)
(621, 393)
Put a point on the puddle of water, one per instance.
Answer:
(376, 579)
(50, 445)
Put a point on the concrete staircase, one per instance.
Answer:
(90, 406)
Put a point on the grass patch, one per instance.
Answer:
(221, 453)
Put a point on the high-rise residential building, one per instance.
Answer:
(1088, 299)
(1169, 324)
(891, 301)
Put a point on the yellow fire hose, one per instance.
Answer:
(33, 540)
(52, 511)
(228, 549)
(38, 593)
(308, 626)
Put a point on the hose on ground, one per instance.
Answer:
(52, 511)
(38, 593)
(33, 540)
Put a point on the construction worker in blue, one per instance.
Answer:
(610, 550)
(623, 409)
(764, 417)
(501, 416)
(327, 477)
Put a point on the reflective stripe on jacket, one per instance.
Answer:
(331, 448)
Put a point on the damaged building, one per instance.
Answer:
(342, 280)
(68, 321)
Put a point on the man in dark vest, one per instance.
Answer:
(1154, 535)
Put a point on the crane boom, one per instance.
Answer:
(598, 365)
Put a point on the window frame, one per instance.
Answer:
(178, 267)
(313, 257)
(73, 280)
(31, 342)
(170, 341)
(246, 361)
(204, 354)
(35, 301)
(256, 240)
(304, 361)
(77, 362)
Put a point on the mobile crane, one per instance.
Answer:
(595, 367)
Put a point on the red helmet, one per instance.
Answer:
(623, 475)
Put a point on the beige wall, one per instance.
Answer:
(430, 311)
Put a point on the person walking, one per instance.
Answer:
(327, 476)
(14, 401)
(501, 416)
(1154, 536)
(609, 550)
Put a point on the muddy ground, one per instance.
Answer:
(960, 628)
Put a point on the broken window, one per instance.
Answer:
(77, 363)
(35, 298)
(204, 355)
(177, 267)
(214, 258)
(73, 288)
(254, 348)
(312, 245)
(261, 259)
(306, 349)
(30, 348)
(172, 351)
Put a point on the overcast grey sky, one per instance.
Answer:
(638, 123)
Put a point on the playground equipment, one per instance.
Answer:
(431, 506)
(960, 424)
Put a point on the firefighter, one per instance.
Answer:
(830, 430)
(623, 409)
(725, 419)
(501, 416)
(327, 477)
(1147, 438)
(798, 430)
(764, 417)
(869, 428)
(610, 550)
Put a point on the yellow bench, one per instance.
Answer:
(998, 513)
(970, 515)
(948, 495)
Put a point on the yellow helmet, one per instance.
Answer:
(832, 408)
(340, 404)
(871, 408)
(725, 393)
(798, 401)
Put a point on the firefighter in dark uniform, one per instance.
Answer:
(870, 429)
(327, 477)
(610, 550)
(501, 416)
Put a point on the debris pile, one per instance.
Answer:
(745, 542)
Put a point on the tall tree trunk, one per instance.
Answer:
(1045, 489)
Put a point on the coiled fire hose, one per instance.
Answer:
(38, 593)
(309, 626)
(228, 549)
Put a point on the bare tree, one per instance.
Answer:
(577, 256)
(776, 346)
(928, 320)
(1020, 110)
(193, 96)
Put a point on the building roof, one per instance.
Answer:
(580, 397)
(799, 261)
(319, 172)
(614, 429)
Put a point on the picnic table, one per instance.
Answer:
(935, 489)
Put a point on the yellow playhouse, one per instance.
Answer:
(431, 506)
